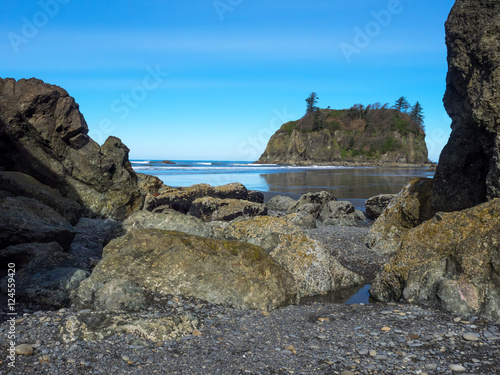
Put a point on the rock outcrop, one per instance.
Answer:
(181, 198)
(468, 172)
(451, 261)
(367, 136)
(408, 209)
(210, 209)
(44, 135)
(226, 272)
(56, 187)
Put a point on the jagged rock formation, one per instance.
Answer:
(52, 174)
(44, 135)
(373, 136)
(469, 167)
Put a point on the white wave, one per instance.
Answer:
(140, 162)
(257, 165)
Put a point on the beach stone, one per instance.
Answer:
(181, 198)
(255, 196)
(99, 325)
(167, 262)
(264, 231)
(374, 206)
(280, 203)
(150, 184)
(24, 349)
(210, 209)
(457, 368)
(470, 336)
(120, 295)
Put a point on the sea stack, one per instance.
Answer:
(469, 166)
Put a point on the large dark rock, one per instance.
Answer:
(19, 184)
(43, 273)
(43, 134)
(25, 220)
(468, 172)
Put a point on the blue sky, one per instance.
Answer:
(214, 79)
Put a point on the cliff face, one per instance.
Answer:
(356, 135)
(44, 135)
(469, 167)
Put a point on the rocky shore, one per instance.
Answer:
(104, 270)
(182, 335)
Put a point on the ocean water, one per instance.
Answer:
(343, 182)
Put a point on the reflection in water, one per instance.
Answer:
(350, 296)
(359, 183)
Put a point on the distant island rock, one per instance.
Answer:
(167, 162)
(373, 134)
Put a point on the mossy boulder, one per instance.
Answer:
(314, 268)
(451, 261)
(166, 262)
(264, 231)
(407, 210)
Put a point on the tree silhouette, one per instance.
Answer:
(402, 104)
(417, 115)
(311, 102)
